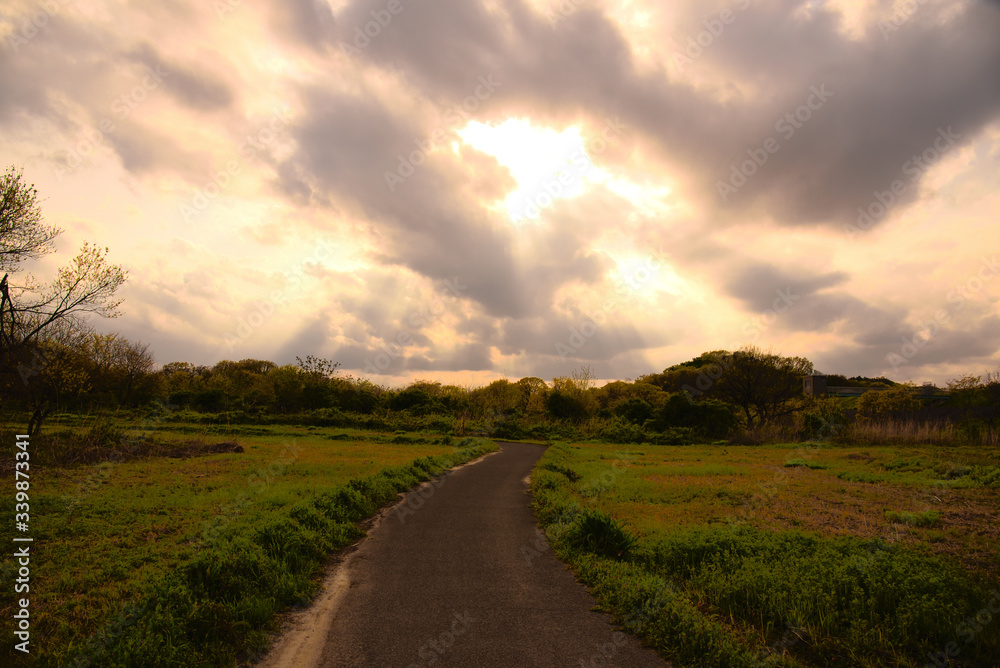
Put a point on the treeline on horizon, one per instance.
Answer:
(52, 362)
(748, 395)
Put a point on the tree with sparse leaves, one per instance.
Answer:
(38, 319)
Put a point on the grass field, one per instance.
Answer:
(799, 555)
(187, 559)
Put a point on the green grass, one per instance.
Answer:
(926, 518)
(185, 562)
(736, 558)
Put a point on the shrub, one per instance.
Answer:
(564, 470)
(634, 410)
(619, 430)
(598, 533)
(709, 418)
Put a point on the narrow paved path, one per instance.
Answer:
(442, 581)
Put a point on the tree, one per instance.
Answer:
(533, 393)
(980, 396)
(118, 366)
(765, 386)
(709, 417)
(36, 320)
(498, 400)
(288, 382)
(63, 376)
(22, 234)
(319, 367)
(563, 405)
(583, 377)
(880, 405)
(87, 285)
(635, 410)
(697, 377)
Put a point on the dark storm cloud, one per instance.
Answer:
(887, 101)
(449, 44)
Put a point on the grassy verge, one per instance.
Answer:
(721, 556)
(185, 561)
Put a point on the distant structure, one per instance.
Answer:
(815, 384)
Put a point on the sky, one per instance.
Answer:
(463, 190)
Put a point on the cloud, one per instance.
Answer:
(199, 89)
(881, 99)
(305, 21)
(759, 285)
